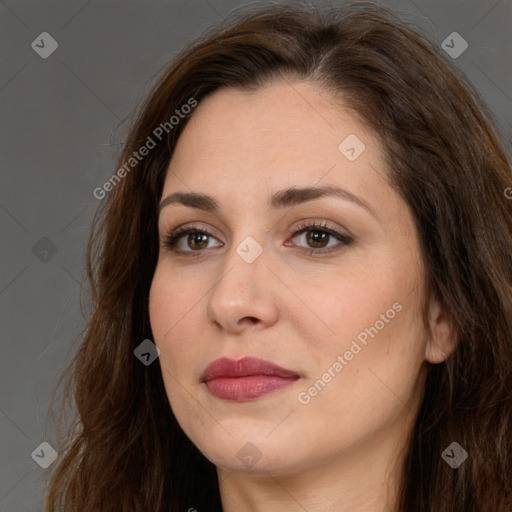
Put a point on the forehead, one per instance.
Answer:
(284, 134)
(294, 119)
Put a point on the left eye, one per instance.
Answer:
(317, 237)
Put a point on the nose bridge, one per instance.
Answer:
(243, 289)
(249, 249)
(245, 263)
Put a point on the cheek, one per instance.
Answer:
(374, 384)
(374, 322)
(171, 311)
(171, 298)
(352, 303)
(174, 307)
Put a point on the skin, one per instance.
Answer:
(342, 450)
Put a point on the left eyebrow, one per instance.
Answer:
(281, 199)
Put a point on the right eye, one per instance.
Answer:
(196, 241)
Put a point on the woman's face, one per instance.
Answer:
(340, 312)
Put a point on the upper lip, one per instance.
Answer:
(225, 367)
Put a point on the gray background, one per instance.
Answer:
(62, 121)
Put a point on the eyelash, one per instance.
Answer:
(172, 238)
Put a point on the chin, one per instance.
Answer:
(251, 450)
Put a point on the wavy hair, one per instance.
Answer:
(124, 450)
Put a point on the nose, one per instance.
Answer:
(246, 292)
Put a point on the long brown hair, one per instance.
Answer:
(125, 451)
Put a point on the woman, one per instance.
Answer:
(301, 280)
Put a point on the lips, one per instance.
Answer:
(244, 367)
(245, 379)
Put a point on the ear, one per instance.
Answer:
(443, 336)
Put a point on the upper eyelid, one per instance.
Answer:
(300, 225)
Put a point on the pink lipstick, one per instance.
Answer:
(245, 379)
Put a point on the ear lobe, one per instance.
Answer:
(443, 336)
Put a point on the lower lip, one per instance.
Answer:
(241, 389)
